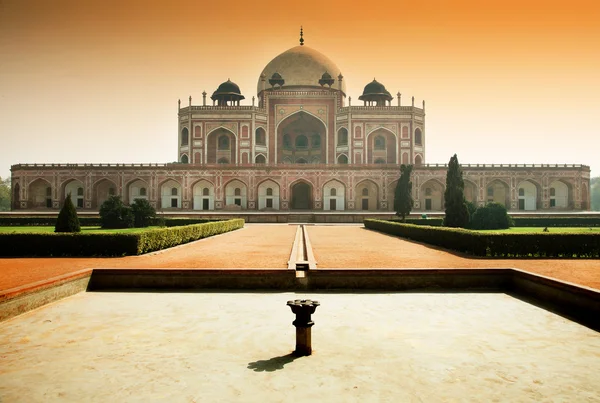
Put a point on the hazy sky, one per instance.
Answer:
(505, 81)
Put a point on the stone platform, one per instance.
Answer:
(235, 347)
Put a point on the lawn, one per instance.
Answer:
(551, 230)
(84, 230)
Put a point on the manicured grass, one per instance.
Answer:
(84, 230)
(551, 230)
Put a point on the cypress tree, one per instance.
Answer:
(403, 201)
(67, 220)
(457, 213)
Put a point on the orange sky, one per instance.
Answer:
(98, 81)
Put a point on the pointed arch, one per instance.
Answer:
(170, 194)
(204, 195)
(366, 195)
(560, 194)
(292, 136)
(236, 194)
(136, 188)
(39, 193)
(470, 191)
(213, 153)
(381, 146)
(334, 195)
(77, 190)
(498, 191)
(301, 194)
(102, 189)
(529, 195)
(432, 195)
(268, 195)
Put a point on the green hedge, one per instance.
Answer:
(86, 221)
(538, 245)
(556, 221)
(168, 237)
(52, 244)
(434, 222)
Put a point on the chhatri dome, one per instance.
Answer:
(301, 66)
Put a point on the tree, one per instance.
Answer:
(67, 220)
(115, 214)
(491, 216)
(595, 193)
(403, 201)
(457, 214)
(5, 194)
(143, 213)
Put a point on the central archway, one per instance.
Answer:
(301, 196)
(301, 138)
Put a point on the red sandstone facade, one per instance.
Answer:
(300, 148)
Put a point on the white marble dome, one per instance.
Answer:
(301, 66)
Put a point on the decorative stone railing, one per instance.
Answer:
(288, 166)
(409, 109)
(232, 108)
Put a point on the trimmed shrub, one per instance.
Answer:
(162, 238)
(67, 220)
(115, 214)
(556, 221)
(456, 212)
(538, 245)
(51, 244)
(403, 200)
(491, 216)
(143, 213)
(434, 222)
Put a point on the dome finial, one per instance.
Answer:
(301, 36)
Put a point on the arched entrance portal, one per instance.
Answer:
(301, 196)
(300, 139)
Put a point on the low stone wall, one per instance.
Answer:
(16, 301)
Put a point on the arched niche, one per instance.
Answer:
(236, 194)
(137, 189)
(221, 145)
(301, 195)
(102, 190)
(497, 191)
(268, 195)
(300, 136)
(204, 195)
(366, 196)
(77, 190)
(470, 191)
(334, 196)
(432, 195)
(170, 195)
(560, 195)
(40, 194)
(528, 195)
(381, 146)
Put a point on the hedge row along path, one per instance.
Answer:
(358, 247)
(254, 246)
(269, 246)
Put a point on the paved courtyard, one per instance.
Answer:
(220, 347)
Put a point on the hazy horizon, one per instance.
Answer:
(98, 82)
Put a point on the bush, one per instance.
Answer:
(556, 221)
(49, 244)
(491, 216)
(67, 220)
(538, 245)
(115, 214)
(143, 213)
